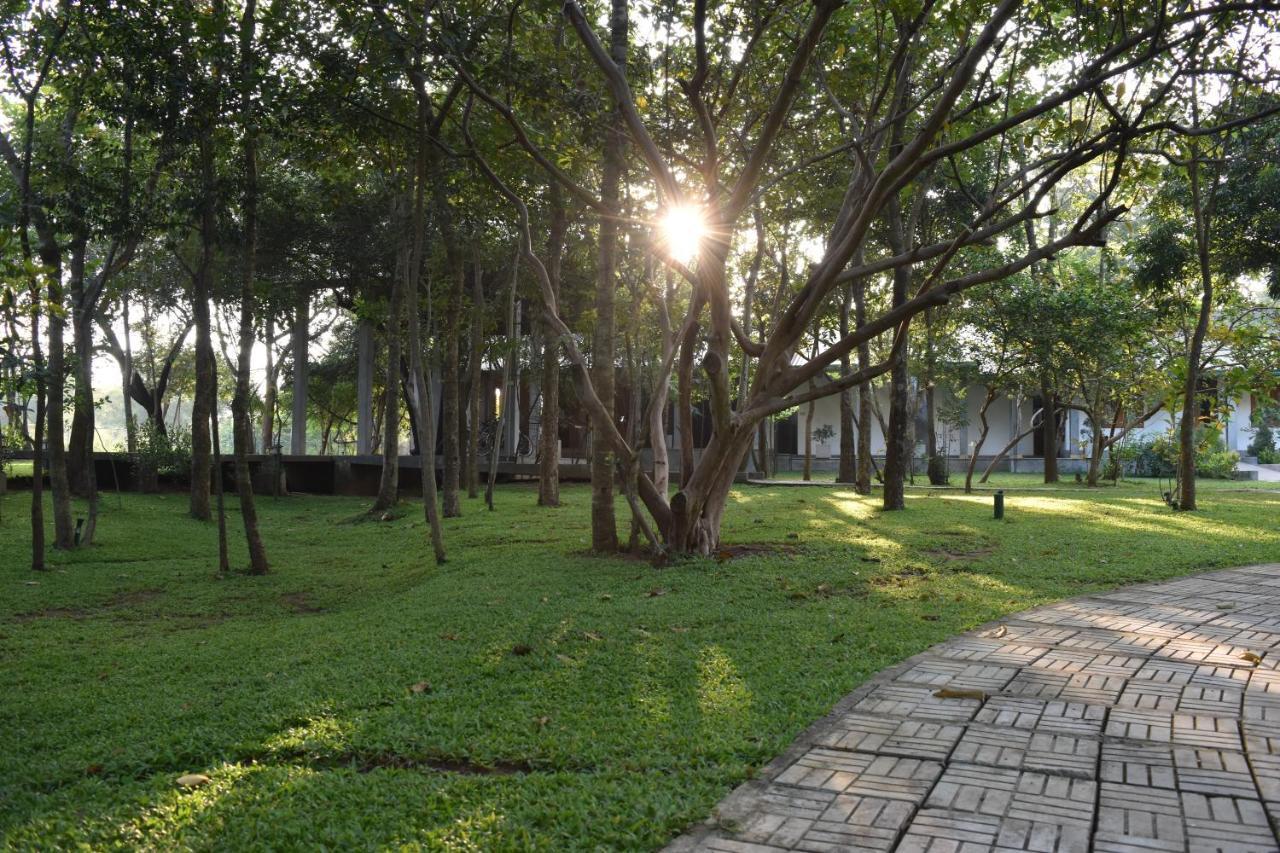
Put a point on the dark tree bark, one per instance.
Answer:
(848, 467)
(300, 339)
(242, 428)
(389, 481)
(862, 484)
(452, 505)
(202, 403)
(269, 392)
(897, 440)
(364, 387)
(475, 422)
(1049, 431)
(604, 526)
(549, 436)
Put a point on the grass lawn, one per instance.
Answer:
(17, 467)
(1006, 480)
(565, 702)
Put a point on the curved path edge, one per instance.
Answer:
(1146, 718)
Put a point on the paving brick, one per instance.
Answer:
(1042, 798)
(974, 788)
(990, 651)
(864, 774)
(940, 831)
(1149, 765)
(1226, 824)
(1047, 748)
(1118, 642)
(1053, 715)
(959, 674)
(1203, 730)
(916, 702)
(1140, 725)
(1214, 771)
(891, 736)
(1135, 818)
(856, 823)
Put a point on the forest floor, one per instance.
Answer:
(525, 695)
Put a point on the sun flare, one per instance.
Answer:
(681, 231)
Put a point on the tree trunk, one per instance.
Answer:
(1049, 429)
(897, 447)
(808, 440)
(848, 467)
(549, 435)
(1195, 353)
(508, 400)
(452, 506)
(130, 426)
(476, 398)
(389, 481)
(1013, 442)
(301, 367)
(269, 389)
(82, 323)
(37, 458)
(982, 438)
(684, 406)
(604, 532)
(202, 404)
(242, 427)
(1095, 452)
(862, 484)
(364, 386)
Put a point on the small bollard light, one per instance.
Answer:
(999, 504)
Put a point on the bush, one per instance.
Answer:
(161, 455)
(1263, 445)
(1158, 456)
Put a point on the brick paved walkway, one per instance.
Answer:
(1146, 719)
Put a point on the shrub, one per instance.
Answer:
(161, 455)
(1158, 456)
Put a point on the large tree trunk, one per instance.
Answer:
(549, 435)
(1195, 352)
(1095, 452)
(847, 471)
(389, 481)
(452, 505)
(82, 321)
(476, 398)
(808, 441)
(242, 427)
(37, 458)
(269, 389)
(202, 404)
(130, 426)
(63, 536)
(301, 367)
(80, 443)
(604, 530)
(865, 391)
(364, 386)
(1049, 429)
(897, 439)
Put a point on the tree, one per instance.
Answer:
(978, 98)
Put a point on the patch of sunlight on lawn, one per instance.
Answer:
(722, 694)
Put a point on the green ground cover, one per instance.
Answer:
(1005, 480)
(565, 702)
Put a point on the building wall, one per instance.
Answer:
(1006, 417)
